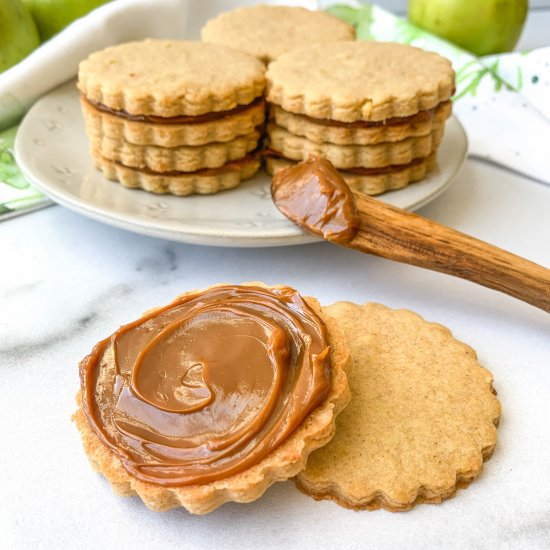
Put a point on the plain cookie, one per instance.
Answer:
(267, 31)
(421, 421)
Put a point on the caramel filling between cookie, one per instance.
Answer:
(418, 118)
(230, 166)
(209, 385)
(183, 119)
(358, 170)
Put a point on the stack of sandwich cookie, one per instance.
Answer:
(376, 110)
(173, 116)
(269, 31)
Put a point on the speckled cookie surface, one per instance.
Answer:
(352, 156)
(171, 78)
(267, 31)
(421, 421)
(101, 124)
(396, 177)
(315, 130)
(202, 182)
(350, 81)
(184, 158)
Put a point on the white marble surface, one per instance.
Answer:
(66, 282)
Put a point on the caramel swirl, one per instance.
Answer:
(209, 385)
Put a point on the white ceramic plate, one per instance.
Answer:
(52, 151)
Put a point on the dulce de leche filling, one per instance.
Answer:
(230, 166)
(359, 170)
(314, 195)
(183, 119)
(207, 386)
(418, 118)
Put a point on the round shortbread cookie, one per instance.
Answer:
(101, 124)
(396, 177)
(421, 421)
(269, 31)
(171, 78)
(319, 132)
(282, 463)
(354, 156)
(350, 81)
(183, 159)
(202, 182)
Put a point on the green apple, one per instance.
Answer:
(18, 34)
(480, 26)
(52, 16)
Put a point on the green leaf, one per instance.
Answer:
(466, 66)
(364, 32)
(9, 172)
(345, 13)
(519, 85)
(407, 32)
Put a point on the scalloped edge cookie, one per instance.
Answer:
(184, 158)
(281, 464)
(100, 124)
(202, 182)
(171, 77)
(300, 125)
(267, 31)
(352, 156)
(421, 421)
(374, 184)
(363, 80)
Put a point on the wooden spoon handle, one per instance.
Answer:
(398, 235)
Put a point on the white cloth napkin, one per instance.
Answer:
(510, 126)
(57, 60)
(503, 101)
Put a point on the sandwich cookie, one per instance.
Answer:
(173, 116)
(213, 397)
(375, 110)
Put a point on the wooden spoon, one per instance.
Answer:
(313, 195)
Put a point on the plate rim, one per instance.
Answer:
(209, 236)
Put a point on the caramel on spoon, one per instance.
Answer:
(315, 197)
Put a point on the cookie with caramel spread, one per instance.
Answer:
(421, 421)
(267, 31)
(213, 397)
